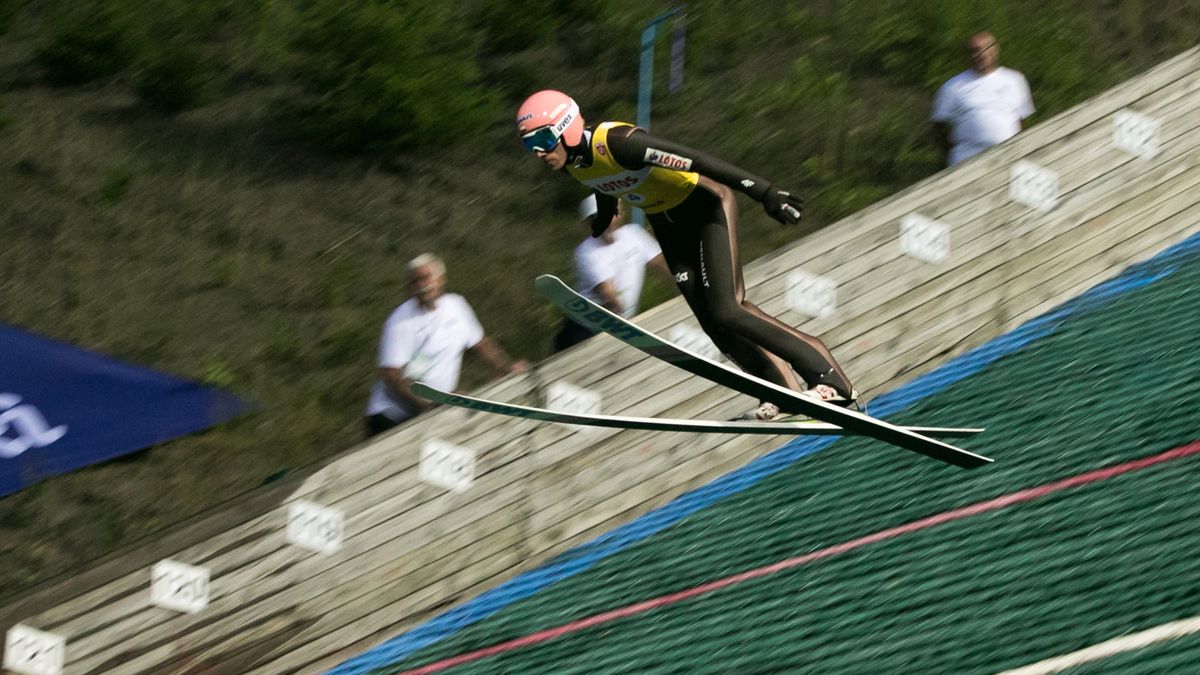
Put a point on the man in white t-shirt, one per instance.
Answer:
(981, 106)
(610, 269)
(424, 340)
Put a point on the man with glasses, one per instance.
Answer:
(981, 106)
(688, 198)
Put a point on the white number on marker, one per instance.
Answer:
(447, 465)
(178, 586)
(1136, 134)
(924, 238)
(566, 397)
(314, 527)
(811, 294)
(1033, 186)
(33, 652)
(694, 341)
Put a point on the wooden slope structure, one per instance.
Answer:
(412, 549)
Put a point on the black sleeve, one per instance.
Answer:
(637, 149)
(606, 208)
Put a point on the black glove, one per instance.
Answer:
(783, 205)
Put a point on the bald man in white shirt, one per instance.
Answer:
(981, 106)
(424, 339)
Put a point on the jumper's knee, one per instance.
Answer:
(729, 314)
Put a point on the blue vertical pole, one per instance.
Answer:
(646, 71)
(646, 75)
(646, 79)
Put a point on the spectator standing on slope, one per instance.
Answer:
(610, 269)
(424, 340)
(981, 106)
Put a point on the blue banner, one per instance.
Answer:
(62, 408)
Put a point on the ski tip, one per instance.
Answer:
(970, 460)
(949, 432)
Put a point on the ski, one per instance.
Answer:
(597, 318)
(782, 428)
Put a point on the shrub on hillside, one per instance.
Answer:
(383, 75)
(85, 41)
(116, 184)
(8, 12)
(187, 49)
(176, 78)
(513, 27)
(506, 27)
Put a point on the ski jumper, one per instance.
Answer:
(687, 198)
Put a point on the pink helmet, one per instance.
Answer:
(548, 116)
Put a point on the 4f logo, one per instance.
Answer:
(23, 427)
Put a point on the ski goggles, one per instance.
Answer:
(540, 140)
(544, 139)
